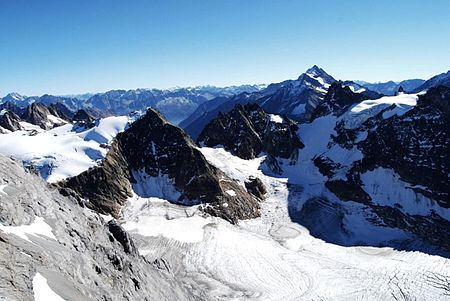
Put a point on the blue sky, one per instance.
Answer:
(66, 46)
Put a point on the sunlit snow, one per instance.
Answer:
(43, 292)
(38, 228)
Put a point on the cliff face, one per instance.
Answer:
(248, 130)
(45, 235)
(152, 149)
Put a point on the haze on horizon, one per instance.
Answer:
(70, 47)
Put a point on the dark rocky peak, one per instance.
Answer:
(248, 130)
(10, 121)
(38, 114)
(316, 72)
(152, 149)
(60, 110)
(400, 90)
(340, 98)
(10, 106)
(298, 98)
(437, 96)
(83, 117)
(16, 99)
(391, 144)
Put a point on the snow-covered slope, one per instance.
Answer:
(64, 151)
(347, 220)
(271, 257)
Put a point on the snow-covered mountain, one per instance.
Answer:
(363, 160)
(296, 99)
(175, 104)
(346, 201)
(442, 79)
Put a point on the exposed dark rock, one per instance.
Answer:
(339, 99)
(247, 131)
(256, 187)
(10, 121)
(295, 99)
(326, 166)
(152, 148)
(60, 110)
(273, 165)
(81, 263)
(415, 146)
(438, 80)
(107, 186)
(37, 114)
(122, 237)
(10, 106)
(83, 118)
(433, 228)
(419, 156)
(348, 191)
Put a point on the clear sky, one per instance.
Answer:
(73, 46)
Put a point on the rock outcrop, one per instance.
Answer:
(10, 121)
(339, 99)
(72, 248)
(152, 149)
(247, 130)
(83, 118)
(46, 117)
(415, 146)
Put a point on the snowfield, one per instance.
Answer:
(38, 228)
(395, 105)
(272, 258)
(64, 151)
(43, 292)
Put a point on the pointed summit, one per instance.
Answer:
(315, 72)
(14, 96)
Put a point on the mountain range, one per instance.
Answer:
(176, 104)
(313, 188)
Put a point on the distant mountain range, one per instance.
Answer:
(295, 98)
(391, 87)
(176, 104)
(284, 190)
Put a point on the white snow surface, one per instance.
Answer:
(43, 292)
(2, 189)
(160, 187)
(38, 228)
(231, 192)
(369, 108)
(272, 258)
(64, 151)
(276, 118)
(387, 189)
(152, 217)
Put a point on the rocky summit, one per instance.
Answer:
(248, 130)
(152, 153)
(9, 121)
